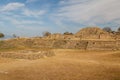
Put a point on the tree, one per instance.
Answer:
(67, 33)
(14, 36)
(118, 29)
(45, 34)
(108, 29)
(1, 35)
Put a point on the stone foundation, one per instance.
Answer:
(31, 55)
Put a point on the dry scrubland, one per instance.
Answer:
(68, 64)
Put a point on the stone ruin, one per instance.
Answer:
(93, 33)
(27, 54)
(91, 38)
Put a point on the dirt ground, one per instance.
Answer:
(66, 65)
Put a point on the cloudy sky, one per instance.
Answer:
(32, 17)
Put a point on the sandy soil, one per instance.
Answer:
(66, 65)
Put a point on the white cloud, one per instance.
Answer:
(21, 21)
(20, 17)
(92, 11)
(25, 22)
(33, 13)
(30, 1)
(12, 6)
(18, 21)
(21, 9)
(70, 2)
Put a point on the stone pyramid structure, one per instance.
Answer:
(93, 33)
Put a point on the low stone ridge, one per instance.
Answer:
(27, 54)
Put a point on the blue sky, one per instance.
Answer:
(33, 17)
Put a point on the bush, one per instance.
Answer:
(67, 33)
(1, 35)
(45, 34)
(118, 29)
(108, 29)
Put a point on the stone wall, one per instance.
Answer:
(70, 44)
(61, 44)
(102, 45)
(87, 45)
(28, 54)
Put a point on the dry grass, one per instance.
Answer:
(66, 65)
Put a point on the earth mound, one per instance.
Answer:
(93, 33)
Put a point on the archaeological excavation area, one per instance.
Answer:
(62, 57)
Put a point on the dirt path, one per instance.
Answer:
(66, 65)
